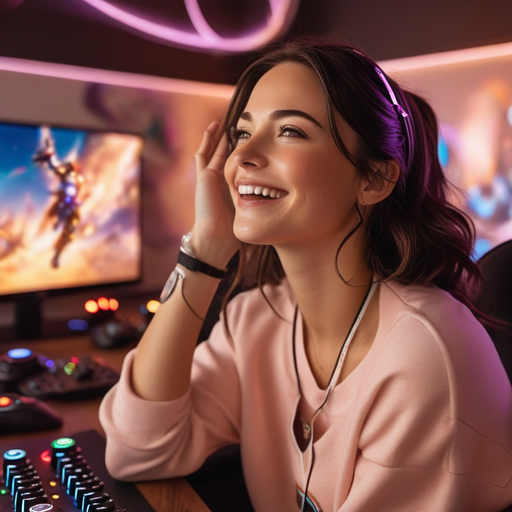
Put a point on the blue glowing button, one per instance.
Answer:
(15, 455)
(77, 324)
(19, 353)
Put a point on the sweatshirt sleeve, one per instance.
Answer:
(421, 445)
(149, 440)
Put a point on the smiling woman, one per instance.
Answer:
(353, 371)
(281, 137)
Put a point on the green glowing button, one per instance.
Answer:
(63, 443)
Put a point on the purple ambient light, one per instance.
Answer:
(281, 14)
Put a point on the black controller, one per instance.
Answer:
(35, 375)
(23, 413)
(63, 475)
(72, 378)
(18, 364)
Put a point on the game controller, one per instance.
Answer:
(37, 376)
(73, 378)
(23, 414)
(20, 363)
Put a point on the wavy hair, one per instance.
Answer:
(415, 235)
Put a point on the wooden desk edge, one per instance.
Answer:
(174, 494)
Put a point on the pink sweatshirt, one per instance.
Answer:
(424, 423)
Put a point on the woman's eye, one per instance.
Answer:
(291, 131)
(238, 134)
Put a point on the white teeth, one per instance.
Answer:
(260, 191)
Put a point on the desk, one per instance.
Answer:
(171, 495)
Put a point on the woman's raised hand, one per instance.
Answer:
(213, 239)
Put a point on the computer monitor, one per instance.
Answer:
(70, 213)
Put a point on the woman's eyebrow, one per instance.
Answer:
(281, 114)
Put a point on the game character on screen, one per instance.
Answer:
(65, 208)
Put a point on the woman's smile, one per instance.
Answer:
(260, 191)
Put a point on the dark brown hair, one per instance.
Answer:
(415, 235)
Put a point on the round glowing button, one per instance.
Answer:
(5, 401)
(63, 443)
(19, 353)
(42, 507)
(15, 454)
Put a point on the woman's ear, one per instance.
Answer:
(380, 184)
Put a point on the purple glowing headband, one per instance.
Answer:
(281, 14)
(398, 108)
(400, 111)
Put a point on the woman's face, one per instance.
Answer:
(288, 180)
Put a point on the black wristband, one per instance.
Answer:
(196, 265)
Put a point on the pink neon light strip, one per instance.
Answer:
(103, 76)
(224, 91)
(282, 12)
(447, 58)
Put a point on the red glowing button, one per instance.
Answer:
(5, 401)
(91, 306)
(113, 304)
(46, 456)
(103, 303)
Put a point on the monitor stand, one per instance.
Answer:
(28, 318)
(30, 324)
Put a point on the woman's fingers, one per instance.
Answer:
(214, 241)
(214, 144)
(220, 154)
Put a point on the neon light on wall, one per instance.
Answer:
(281, 14)
(122, 78)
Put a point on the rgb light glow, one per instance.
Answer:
(46, 457)
(281, 14)
(15, 454)
(19, 353)
(91, 306)
(5, 401)
(152, 306)
(77, 324)
(63, 442)
(69, 368)
(103, 303)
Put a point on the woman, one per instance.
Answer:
(355, 373)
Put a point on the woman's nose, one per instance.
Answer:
(250, 154)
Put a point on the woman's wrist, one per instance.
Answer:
(187, 260)
(216, 255)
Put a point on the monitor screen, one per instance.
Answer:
(69, 208)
